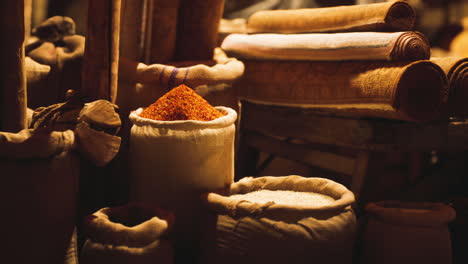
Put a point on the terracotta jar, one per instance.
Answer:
(407, 232)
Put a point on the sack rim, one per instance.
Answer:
(344, 198)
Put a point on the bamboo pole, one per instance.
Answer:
(12, 75)
(100, 63)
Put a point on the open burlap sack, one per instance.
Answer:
(407, 232)
(389, 16)
(250, 232)
(456, 69)
(40, 172)
(397, 46)
(415, 91)
(132, 234)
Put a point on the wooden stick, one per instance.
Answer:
(101, 57)
(13, 100)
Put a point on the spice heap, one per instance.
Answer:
(181, 103)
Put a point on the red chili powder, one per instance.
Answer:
(181, 103)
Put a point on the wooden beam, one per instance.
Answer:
(13, 100)
(301, 153)
(100, 63)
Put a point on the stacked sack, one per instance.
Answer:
(361, 60)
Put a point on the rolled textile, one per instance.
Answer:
(415, 91)
(456, 69)
(329, 46)
(389, 16)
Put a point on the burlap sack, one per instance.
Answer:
(407, 232)
(39, 190)
(132, 234)
(54, 69)
(248, 232)
(173, 162)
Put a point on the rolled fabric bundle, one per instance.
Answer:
(329, 46)
(389, 16)
(456, 69)
(415, 91)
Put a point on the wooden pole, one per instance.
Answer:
(100, 63)
(131, 29)
(12, 75)
(163, 31)
(197, 29)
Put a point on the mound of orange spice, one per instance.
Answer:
(181, 103)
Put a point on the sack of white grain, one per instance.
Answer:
(174, 160)
(288, 219)
(129, 234)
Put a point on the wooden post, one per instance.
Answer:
(12, 75)
(197, 29)
(100, 64)
(131, 29)
(163, 31)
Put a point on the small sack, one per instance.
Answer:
(130, 234)
(281, 232)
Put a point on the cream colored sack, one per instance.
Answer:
(173, 162)
(169, 158)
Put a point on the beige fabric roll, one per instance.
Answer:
(329, 46)
(414, 91)
(389, 16)
(456, 69)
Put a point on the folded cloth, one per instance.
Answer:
(329, 46)
(414, 91)
(456, 69)
(390, 16)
